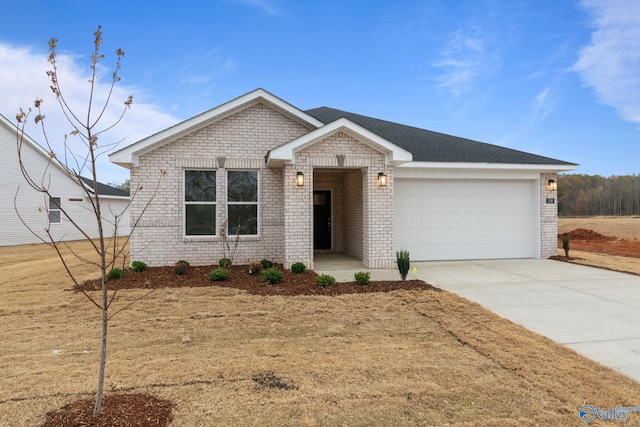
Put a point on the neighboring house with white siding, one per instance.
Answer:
(292, 183)
(37, 211)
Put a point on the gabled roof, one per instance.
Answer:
(286, 152)
(128, 156)
(428, 146)
(103, 189)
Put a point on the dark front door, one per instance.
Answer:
(321, 219)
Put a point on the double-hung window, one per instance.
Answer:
(200, 202)
(54, 210)
(242, 203)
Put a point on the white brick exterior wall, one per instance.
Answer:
(548, 217)
(242, 139)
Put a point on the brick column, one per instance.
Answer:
(548, 217)
(378, 219)
(298, 216)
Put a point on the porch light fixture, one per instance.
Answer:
(552, 185)
(382, 179)
(299, 179)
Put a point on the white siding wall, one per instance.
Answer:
(32, 205)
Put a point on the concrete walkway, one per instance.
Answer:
(595, 312)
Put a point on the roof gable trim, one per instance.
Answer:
(129, 156)
(285, 154)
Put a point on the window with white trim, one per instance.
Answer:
(242, 203)
(200, 203)
(54, 210)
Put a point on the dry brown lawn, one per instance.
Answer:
(400, 358)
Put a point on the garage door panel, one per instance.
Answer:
(464, 219)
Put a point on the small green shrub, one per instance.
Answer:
(138, 266)
(565, 243)
(362, 278)
(265, 263)
(325, 280)
(298, 268)
(254, 268)
(181, 267)
(271, 276)
(402, 258)
(115, 273)
(218, 275)
(225, 263)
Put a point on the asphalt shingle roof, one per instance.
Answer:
(104, 189)
(429, 146)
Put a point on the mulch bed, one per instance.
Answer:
(292, 284)
(118, 410)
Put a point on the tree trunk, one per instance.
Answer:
(103, 348)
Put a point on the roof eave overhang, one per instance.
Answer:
(285, 154)
(128, 157)
(491, 166)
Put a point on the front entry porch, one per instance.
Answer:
(335, 261)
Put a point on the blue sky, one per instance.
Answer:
(556, 78)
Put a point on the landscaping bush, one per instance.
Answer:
(218, 275)
(138, 266)
(298, 268)
(115, 273)
(325, 280)
(225, 263)
(362, 277)
(565, 243)
(265, 263)
(271, 276)
(402, 258)
(254, 268)
(181, 267)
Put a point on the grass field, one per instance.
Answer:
(623, 227)
(403, 358)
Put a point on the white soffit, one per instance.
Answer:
(488, 166)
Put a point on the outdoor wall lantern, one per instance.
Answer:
(382, 179)
(552, 185)
(299, 179)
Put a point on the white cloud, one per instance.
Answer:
(542, 104)
(23, 79)
(464, 59)
(264, 5)
(610, 63)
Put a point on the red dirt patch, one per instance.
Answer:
(586, 240)
(586, 235)
(118, 410)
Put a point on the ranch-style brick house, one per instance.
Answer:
(292, 183)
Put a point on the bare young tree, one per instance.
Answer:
(77, 160)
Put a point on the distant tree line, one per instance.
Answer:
(597, 195)
(124, 186)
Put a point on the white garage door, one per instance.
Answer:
(465, 219)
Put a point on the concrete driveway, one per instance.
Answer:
(595, 312)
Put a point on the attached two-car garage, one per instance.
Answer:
(449, 219)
